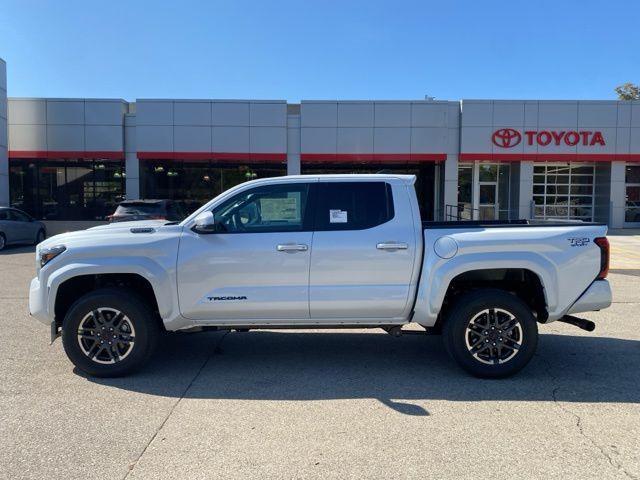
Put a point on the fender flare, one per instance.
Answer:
(433, 289)
(158, 277)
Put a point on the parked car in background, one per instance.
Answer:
(18, 227)
(131, 210)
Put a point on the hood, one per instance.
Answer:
(102, 233)
(128, 225)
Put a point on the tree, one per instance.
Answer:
(628, 91)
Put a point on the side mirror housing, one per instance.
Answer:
(205, 223)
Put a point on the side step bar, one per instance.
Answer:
(587, 325)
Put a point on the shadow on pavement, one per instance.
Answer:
(268, 365)
(15, 249)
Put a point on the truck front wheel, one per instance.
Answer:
(490, 333)
(109, 332)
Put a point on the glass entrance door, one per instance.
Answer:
(483, 191)
(487, 192)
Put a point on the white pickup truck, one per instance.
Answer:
(340, 251)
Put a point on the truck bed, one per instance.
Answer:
(506, 223)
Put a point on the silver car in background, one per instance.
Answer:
(18, 227)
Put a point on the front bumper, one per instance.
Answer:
(596, 297)
(38, 302)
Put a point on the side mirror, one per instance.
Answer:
(205, 223)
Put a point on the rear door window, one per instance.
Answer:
(353, 205)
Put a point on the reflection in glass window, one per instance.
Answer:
(563, 191)
(196, 183)
(66, 189)
(632, 191)
(488, 172)
(465, 194)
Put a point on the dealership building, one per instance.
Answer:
(73, 159)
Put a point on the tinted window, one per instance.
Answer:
(271, 208)
(353, 205)
(175, 212)
(19, 216)
(4, 215)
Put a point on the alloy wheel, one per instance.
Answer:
(106, 335)
(493, 336)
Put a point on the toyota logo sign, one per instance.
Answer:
(506, 137)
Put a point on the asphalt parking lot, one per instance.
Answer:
(327, 404)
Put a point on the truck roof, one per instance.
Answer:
(408, 179)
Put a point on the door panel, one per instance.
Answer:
(256, 264)
(228, 276)
(21, 226)
(354, 273)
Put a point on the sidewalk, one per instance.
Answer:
(625, 249)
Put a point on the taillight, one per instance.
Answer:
(603, 243)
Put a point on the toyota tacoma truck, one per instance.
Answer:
(340, 251)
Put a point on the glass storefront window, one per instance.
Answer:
(465, 193)
(195, 183)
(66, 189)
(563, 191)
(488, 172)
(632, 191)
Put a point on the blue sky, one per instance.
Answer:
(321, 49)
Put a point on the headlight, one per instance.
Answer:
(49, 253)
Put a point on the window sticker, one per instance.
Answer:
(280, 209)
(337, 216)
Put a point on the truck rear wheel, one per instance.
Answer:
(109, 333)
(490, 333)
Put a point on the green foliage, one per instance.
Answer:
(628, 91)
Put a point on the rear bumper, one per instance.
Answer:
(38, 302)
(596, 297)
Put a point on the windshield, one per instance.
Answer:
(139, 209)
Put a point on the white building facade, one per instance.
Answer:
(74, 159)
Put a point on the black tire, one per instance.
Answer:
(143, 325)
(3, 241)
(41, 236)
(460, 337)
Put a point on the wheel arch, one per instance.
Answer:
(76, 287)
(150, 282)
(438, 275)
(523, 283)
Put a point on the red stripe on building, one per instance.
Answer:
(551, 157)
(215, 156)
(378, 158)
(50, 154)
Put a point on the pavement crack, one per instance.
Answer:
(215, 350)
(580, 427)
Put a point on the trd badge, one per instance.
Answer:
(578, 242)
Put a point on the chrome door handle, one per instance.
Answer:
(392, 246)
(292, 247)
